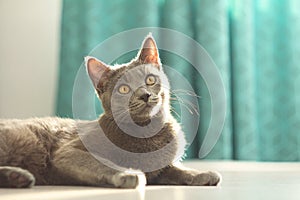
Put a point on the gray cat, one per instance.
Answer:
(136, 140)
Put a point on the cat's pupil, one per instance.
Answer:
(150, 80)
(124, 89)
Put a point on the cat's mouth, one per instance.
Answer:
(152, 103)
(144, 107)
(145, 112)
(139, 111)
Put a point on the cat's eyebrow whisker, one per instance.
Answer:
(183, 91)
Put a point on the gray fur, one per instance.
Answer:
(135, 140)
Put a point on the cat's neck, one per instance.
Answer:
(137, 143)
(145, 126)
(162, 116)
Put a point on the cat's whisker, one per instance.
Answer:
(174, 111)
(173, 99)
(187, 108)
(193, 106)
(124, 117)
(121, 115)
(183, 103)
(186, 103)
(120, 112)
(137, 107)
(131, 105)
(185, 92)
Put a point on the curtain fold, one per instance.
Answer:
(277, 95)
(179, 17)
(211, 27)
(254, 44)
(244, 87)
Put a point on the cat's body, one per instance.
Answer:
(38, 144)
(31, 144)
(135, 99)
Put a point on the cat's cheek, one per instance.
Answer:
(105, 100)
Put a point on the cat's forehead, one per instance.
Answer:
(139, 71)
(135, 76)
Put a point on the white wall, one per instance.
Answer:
(29, 53)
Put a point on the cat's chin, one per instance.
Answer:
(154, 110)
(149, 113)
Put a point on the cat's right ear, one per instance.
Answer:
(97, 70)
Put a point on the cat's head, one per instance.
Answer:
(138, 88)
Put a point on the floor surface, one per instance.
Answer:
(241, 180)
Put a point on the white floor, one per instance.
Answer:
(241, 180)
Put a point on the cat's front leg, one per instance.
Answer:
(15, 177)
(75, 166)
(175, 175)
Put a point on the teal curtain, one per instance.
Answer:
(254, 44)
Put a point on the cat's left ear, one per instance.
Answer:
(98, 71)
(148, 53)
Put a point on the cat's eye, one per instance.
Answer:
(150, 80)
(124, 89)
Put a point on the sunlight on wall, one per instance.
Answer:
(29, 53)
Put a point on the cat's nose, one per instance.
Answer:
(145, 97)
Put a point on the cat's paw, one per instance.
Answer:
(17, 178)
(129, 179)
(207, 179)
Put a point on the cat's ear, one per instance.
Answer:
(148, 53)
(97, 70)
